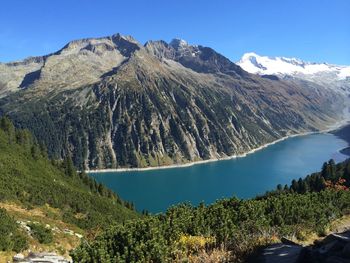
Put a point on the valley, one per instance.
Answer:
(245, 177)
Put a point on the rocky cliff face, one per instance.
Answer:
(111, 102)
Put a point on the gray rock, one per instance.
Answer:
(279, 253)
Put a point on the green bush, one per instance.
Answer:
(11, 237)
(20, 242)
(41, 233)
(238, 225)
(7, 227)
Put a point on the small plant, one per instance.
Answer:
(195, 243)
(11, 238)
(41, 233)
(338, 185)
(20, 242)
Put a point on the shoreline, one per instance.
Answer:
(331, 128)
(345, 151)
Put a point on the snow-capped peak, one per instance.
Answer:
(255, 63)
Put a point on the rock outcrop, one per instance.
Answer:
(335, 248)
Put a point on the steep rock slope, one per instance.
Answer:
(111, 102)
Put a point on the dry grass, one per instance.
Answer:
(213, 256)
(340, 225)
(6, 256)
(45, 215)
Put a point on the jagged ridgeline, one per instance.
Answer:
(29, 179)
(111, 102)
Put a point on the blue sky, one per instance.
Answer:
(313, 30)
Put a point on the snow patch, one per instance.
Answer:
(257, 64)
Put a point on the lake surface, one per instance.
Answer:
(156, 190)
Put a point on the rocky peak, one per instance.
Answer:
(128, 38)
(198, 58)
(178, 43)
(251, 57)
(125, 44)
(160, 49)
(205, 60)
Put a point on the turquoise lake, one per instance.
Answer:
(156, 190)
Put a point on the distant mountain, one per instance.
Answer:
(111, 102)
(330, 76)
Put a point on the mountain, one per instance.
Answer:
(111, 102)
(331, 76)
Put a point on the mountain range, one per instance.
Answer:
(336, 77)
(112, 102)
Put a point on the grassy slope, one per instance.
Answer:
(33, 188)
(64, 238)
(36, 182)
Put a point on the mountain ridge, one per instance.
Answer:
(335, 76)
(112, 102)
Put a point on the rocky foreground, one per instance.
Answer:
(40, 257)
(334, 248)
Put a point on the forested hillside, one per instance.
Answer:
(332, 176)
(29, 179)
(229, 229)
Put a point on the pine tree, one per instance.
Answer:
(332, 169)
(279, 187)
(7, 126)
(68, 166)
(35, 151)
(300, 186)
(326, 171)
(294, 187)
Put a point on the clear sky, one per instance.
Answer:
(313, 30)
